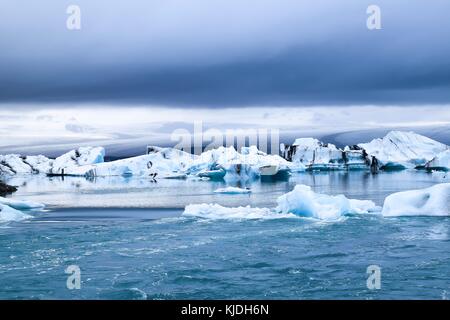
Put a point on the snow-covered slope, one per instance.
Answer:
(433, 201)
(400, 149)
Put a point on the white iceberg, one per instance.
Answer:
(313, 154)
(162, 163)
(301, 201)
(402, 150)
(304, 202)
(218, 212)
(76, 158)
(433, 201)
(232, 190)
(238, 166)
(21, 204)
(8, 214)
(440, 162)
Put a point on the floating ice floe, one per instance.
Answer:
(402, 150)
(232, 190)
(433, 201)
(301, 201)
(218, 212)
(8, 214)
(21, 204)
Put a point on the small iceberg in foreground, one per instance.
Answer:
(21, 204)
(433, 201)
(8, 214)
(218, 212)
(301, 201)
(10, 210)
(232, 190)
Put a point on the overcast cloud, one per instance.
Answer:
(216, 53)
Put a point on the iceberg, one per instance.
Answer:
(16, 164)
(232, 190)
(8, 214)
(439, 162)
(402, 150)
(249, 164)
(21, 204)
(433, 201)
(313, 154)
(304, 202)
(76, 158)
(218, 212)
(300, 202)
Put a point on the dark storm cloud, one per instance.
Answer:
(224, 53)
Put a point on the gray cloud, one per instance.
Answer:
(225, 52)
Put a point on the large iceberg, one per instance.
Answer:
(301, 201)
(316, 155)
(433, 201)
(397, 150)
(402, 150)
(16, 164)
(162, 163)
(248, 164)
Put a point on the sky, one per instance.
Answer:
(138, 70)
(223, 53)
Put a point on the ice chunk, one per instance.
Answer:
(218, 212)
(433, 201)
(400, 150)
(304, 202)
(8, 214)
(440, 162)
(21, 204)
(232, 190)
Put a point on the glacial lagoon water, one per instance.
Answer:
(130, 241)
